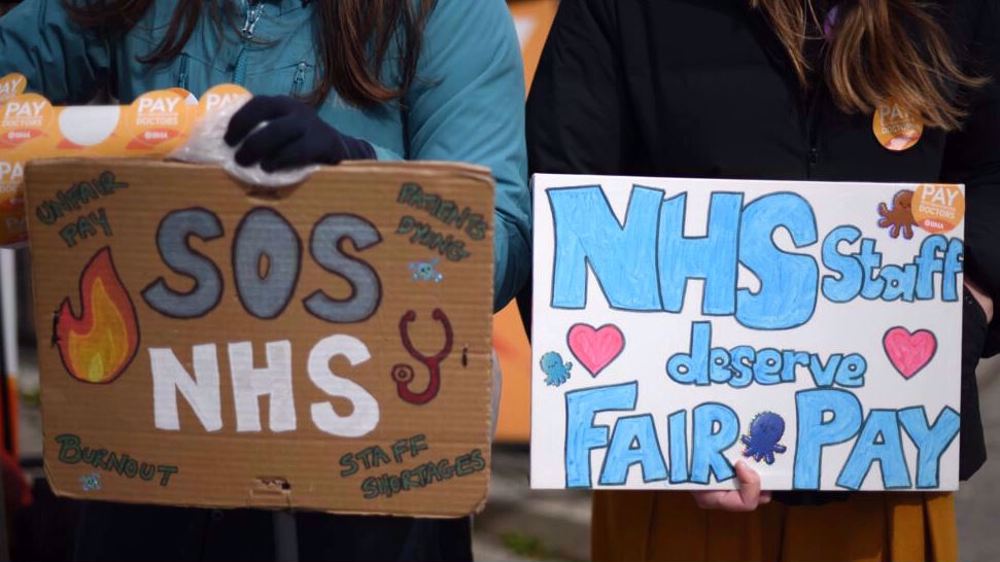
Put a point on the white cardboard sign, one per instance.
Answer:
(811, 329)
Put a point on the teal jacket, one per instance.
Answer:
(467, 104)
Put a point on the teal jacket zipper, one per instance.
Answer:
(251, 16)
(299, 80)
(182, 72)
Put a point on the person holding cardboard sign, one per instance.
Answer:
(335, 80)
(788, 89)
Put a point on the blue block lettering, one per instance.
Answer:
(677, 426)
(711, 257)
(788, 282)
(634, 441)
(815, 432)
(622, 256)
(931, 441)
(847, 286)
(880, 441)
(716, 429)
(582, 436)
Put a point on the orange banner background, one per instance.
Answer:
(533, 19)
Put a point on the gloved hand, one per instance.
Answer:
(293, 137)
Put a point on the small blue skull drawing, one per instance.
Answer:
(426, 271)
(766, 430)
(90, 482)
(556, 372)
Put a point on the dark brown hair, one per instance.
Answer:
(880, 50)
(353, 39)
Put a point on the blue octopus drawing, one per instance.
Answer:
(556, 372)
(761, 442)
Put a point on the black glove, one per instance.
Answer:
(294, 136)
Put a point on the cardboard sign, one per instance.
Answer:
(327, 348)
(811, 329)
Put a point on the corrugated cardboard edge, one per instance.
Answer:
(418, 168)
(471, 171)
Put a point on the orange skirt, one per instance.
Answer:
(635, 526)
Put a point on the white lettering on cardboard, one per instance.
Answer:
(365, 416)
(273, 381)
(201, 391)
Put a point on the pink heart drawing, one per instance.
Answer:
(909, 352)
(595, 348)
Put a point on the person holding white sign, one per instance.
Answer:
(879, 91)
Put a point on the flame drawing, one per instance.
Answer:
(100, 343)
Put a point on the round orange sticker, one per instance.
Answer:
(222, 96)
(12, 85)
(895, 128)
(158, 121)
(24, 118)
(938, 207)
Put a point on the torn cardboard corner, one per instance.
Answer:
(326, 350)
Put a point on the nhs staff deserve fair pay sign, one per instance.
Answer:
(811, 329)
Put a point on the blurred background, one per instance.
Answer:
(517, 524)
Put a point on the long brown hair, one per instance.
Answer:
(353, 39)
(880, 51)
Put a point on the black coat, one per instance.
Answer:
(704, 88)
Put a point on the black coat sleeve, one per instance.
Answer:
(575, 114)
(972, 157)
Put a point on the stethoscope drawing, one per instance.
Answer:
(403, 374)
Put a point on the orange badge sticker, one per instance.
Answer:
(24, 118)
(895, 128)
(12, 85)
(222, 96)
(12, 223)
(938, 207)
(158, 121)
